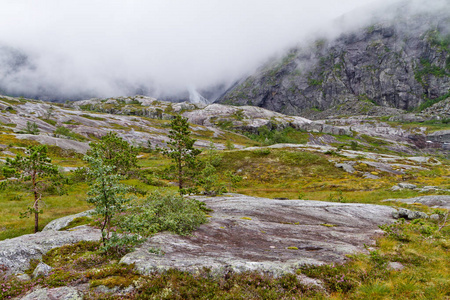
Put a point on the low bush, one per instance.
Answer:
(161, 212)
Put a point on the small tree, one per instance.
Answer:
(116, 152)
(181, 149)
(32, 128)
(208, 179)
(36, 167)
(106, 192)
(49, 112)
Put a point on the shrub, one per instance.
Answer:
(32, 128)
(160, 212)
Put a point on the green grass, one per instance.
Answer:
(17, 198)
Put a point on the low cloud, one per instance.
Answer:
(54, 49)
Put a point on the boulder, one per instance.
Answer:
(42, 269)
(409, 214)
(408, 186)
(259, 234)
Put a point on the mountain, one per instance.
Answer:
(401, 63)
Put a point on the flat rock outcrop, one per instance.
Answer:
(16, 253)
(248, 233)
(439, 201)
(60, 223)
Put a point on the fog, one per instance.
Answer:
(53, 49)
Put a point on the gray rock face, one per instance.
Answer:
(60, 293)
(249, 233)
(251, 118)
(62, 143)
(357, 73)
(16, 253)
(57, 224)
(42, 269)
(441, 136)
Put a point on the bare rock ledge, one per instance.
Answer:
(16, 253)
(276, 236)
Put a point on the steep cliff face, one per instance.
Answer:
(402, 64)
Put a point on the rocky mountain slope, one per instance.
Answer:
(144, 121)
(383, 69)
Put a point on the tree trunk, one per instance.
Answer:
(180, 175)
(36, 203)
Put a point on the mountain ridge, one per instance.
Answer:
(402, 64)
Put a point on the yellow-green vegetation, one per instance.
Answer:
(15, 199)
(272, 173)
(421, 249)
(328, 225)
(286, 173)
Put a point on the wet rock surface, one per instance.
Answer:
(248, 233)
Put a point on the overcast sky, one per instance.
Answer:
(109, 47)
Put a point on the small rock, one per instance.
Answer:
(305, 280)
(61, 293)
(23, 277)
(42, 269)
(408, 214)
(396, 266)
(408, 186)
(106, 290)
(347, 168)
(435, 217)
(395, 188)
(128, 290)
(427, 188)
(370, 176)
